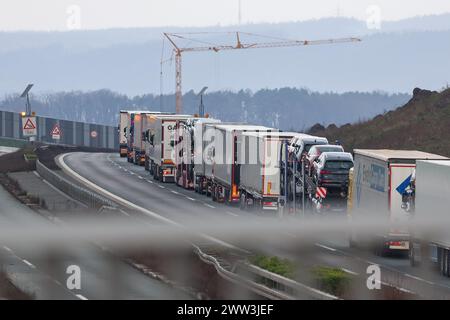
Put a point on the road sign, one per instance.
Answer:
(29, 127)
(56, 132)
(321, 192)
(94, 134)
(404, 185)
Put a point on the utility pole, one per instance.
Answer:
(201, 107)
(240, 13)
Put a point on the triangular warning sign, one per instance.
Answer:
(29, 125)
(56, 131)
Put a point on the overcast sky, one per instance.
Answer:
(95, 14)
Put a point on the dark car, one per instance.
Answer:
(315, 152)
(332, 169)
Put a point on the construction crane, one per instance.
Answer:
(279, 43)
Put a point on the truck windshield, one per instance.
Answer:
(338, 165)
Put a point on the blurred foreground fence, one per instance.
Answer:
(72, 132)
(81, 194)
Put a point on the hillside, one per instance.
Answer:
(423, 124)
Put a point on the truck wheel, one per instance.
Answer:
(155, 172)
(243, 202)
(351, 242)
(445, 262)
(208, 189)
(412, 261)
(213, 192)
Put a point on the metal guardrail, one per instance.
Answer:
(91, 199)
(267, 284)
(282, 284)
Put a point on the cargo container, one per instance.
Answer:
(225, 168)
(380, 179)
(189, 149)
(160, 145)
(260, 178)
(431, 237)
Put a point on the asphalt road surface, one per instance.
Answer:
(134, 184)
(42, 272)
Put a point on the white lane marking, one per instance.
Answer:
(325, 247)
(192, 199)
(57, 282)
(174, 192)
(140, 177)
(232, 213)
(132, 173)
(120, 167)
(126, 170)
(149, 181)
(208, 205)
(7, 249)
(350, 272)
(81, 297)
(28, 263)
(419, 279)
(87, 182)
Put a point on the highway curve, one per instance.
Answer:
(134, 184)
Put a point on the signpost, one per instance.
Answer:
(56, 132)
(94, 134)
(29, 128)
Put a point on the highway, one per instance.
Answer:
(42, 272)
(134, 184)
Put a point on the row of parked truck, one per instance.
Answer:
(258, 167)
(237, 163)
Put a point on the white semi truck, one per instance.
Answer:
(430, 236)
(260, 178)
(189, 149)
(225, 167)
(379, 181)
(130, 134)
(122, 130)
(160, 145)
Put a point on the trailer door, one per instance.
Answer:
(399, 181)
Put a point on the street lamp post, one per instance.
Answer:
(201, 108)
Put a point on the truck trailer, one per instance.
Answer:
(189, 149)
(160, 145)
(225, 167)
(430, 237)
(122, 131)
(140, 126)
(130, 134)
(260, 178)
(380, 179)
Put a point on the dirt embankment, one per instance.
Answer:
(422, 124)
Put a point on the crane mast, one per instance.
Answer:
(178, 51)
